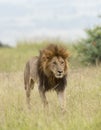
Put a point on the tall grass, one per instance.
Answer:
(83, 95)
(83, 104)
(14, 59)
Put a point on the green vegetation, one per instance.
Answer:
(89, 49)
(14, 59)
(83, 95)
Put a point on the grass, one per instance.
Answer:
(83, 103)
(14, 59)
(83, 95)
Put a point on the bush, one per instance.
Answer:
(89, 49)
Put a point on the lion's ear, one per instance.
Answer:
(48, 54)
(45, 55)
(42, 55)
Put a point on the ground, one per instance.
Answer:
(83, 105)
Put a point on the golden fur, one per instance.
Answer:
(49, 69)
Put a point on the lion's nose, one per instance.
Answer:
(59, 71)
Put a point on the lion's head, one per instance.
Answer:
(53, 61)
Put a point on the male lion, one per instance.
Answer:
(50, 70)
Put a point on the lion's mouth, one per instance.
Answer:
(59, 75)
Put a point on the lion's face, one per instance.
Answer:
(57, 66)
(53, 61)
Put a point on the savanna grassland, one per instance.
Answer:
(83, 94)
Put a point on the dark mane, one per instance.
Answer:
(55, 50)
(51, 82)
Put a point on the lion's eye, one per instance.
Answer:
(62, 62)
(54, 63)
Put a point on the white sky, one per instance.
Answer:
(30, 19)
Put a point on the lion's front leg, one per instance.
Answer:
(43, 97)
(62, 99)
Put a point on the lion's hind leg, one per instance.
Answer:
(28, 93)
(31, 83)
(29, 87)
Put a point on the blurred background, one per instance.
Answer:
(36, 20)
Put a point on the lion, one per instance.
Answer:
(49, 70)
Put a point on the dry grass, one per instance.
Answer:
(83, 103)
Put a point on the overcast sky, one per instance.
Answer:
(30, 19)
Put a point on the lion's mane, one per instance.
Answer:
(46, 79)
